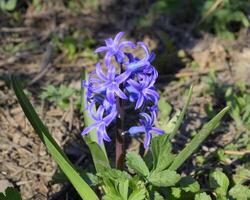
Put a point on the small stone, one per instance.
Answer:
(4, 184)
(23, 141)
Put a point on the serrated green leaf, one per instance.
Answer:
(197, 140)
(115, 182)
(219, 181)
(93, 179)
(202, 196)
(161, 152)
(157, 196)
(175, 192)
(170, 126)
(241, 175)
(239, 192)
(164, 178)
(80, 185)
(114, 175)
(188, 184)
(123, 189)
(138, 188)
(135, 162)
(139, 193)
(10, 194)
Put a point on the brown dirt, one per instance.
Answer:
(24, 161)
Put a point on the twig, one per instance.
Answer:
(16, 29)
(239, 153)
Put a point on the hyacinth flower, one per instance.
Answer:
(109, 91)
(114, 48)
(145, 91)
(101, 123)
(146, 127)
(111, 83)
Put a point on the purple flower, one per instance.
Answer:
(145, 91)
(114, 47)
(100, 123)
(147, 128)
(134, 85)
(111, 83)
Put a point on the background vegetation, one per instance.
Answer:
(201, 42)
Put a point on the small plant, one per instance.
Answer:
(8, 5)
(60, 96)
(122, 97)
(10, 194)
(221, 17)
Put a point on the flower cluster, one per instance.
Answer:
(125, 78)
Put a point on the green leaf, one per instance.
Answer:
(170, 126)
(135, 162)
(114, 175)
(219, 181)
(10, 194)
(139, 193)
(164, 108)
(197, 140)
(184, 110)
(241, 175)
(202, 196)
(123, 188)
(161, 151)
(115, 182)
(164, 178)
(95, 180)
(188, 184)
(80, 185)
(8, 5)
(175, 193)
(99, 158)
(98, 151)
(239, 192)
(112, 196)
(157, 196)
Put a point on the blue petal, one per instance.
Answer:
(147, 140)
(140, 101)
(134, 130)
(118, 38)
(88, 129)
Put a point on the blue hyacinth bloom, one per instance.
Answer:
(101, 123)
(134, 85)
(114, 48)
(111, 83)
(147, 128)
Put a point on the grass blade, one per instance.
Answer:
(197, 140)
(182, 114)
(79, 184)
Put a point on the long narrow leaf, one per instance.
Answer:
(80, 185)
(184, 110)
(98, 151)
(197, 140)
